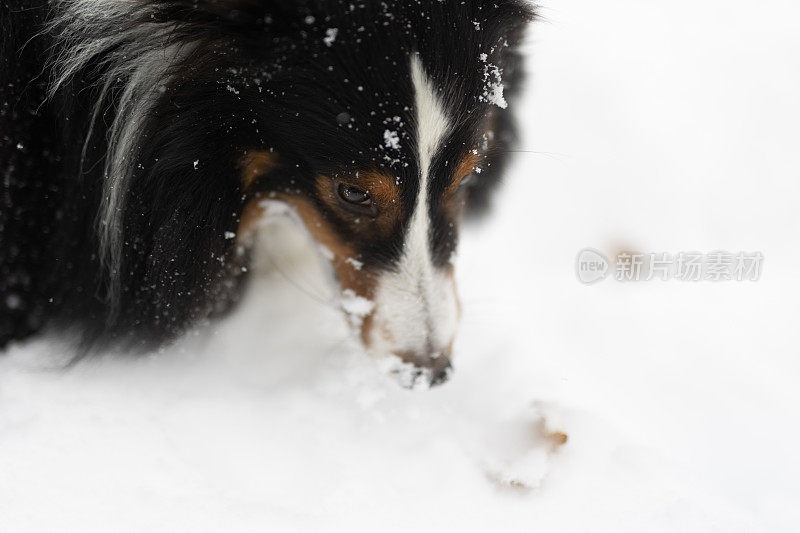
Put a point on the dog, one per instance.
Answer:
(141, 142)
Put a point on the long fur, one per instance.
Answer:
(123, 124)
(135, 59)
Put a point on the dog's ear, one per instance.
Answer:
(505, 20)
(505, 25)
(183, 204)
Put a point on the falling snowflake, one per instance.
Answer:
(330, 36)
(391, 139)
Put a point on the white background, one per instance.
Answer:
(650, 126)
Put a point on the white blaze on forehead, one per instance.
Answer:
(432, 126)
(432, 123)
(416, 307)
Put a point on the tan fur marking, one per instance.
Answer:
(255, 164)
(361, 281)
(385, 193)
(451, 197)
(248, 222)
(466, 166)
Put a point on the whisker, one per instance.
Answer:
(296, 284)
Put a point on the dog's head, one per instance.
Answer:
(381, 187)
(379, 123)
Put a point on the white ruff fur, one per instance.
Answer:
(136, 59)
(416, 308)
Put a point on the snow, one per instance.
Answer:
(354, 305)
(655, 127)
(355, 263)
(330, 36)
(391, 139)
(493, 82)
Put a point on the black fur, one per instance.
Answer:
(260, 75)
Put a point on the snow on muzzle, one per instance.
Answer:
(414, 317)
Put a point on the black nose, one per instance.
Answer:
(441, 375)
(434, 370)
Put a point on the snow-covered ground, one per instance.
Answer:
(649, 126)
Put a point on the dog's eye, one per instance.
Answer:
(355, 199)
(354, 195)
(467, 180)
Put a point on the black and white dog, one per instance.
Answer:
(140, 141)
